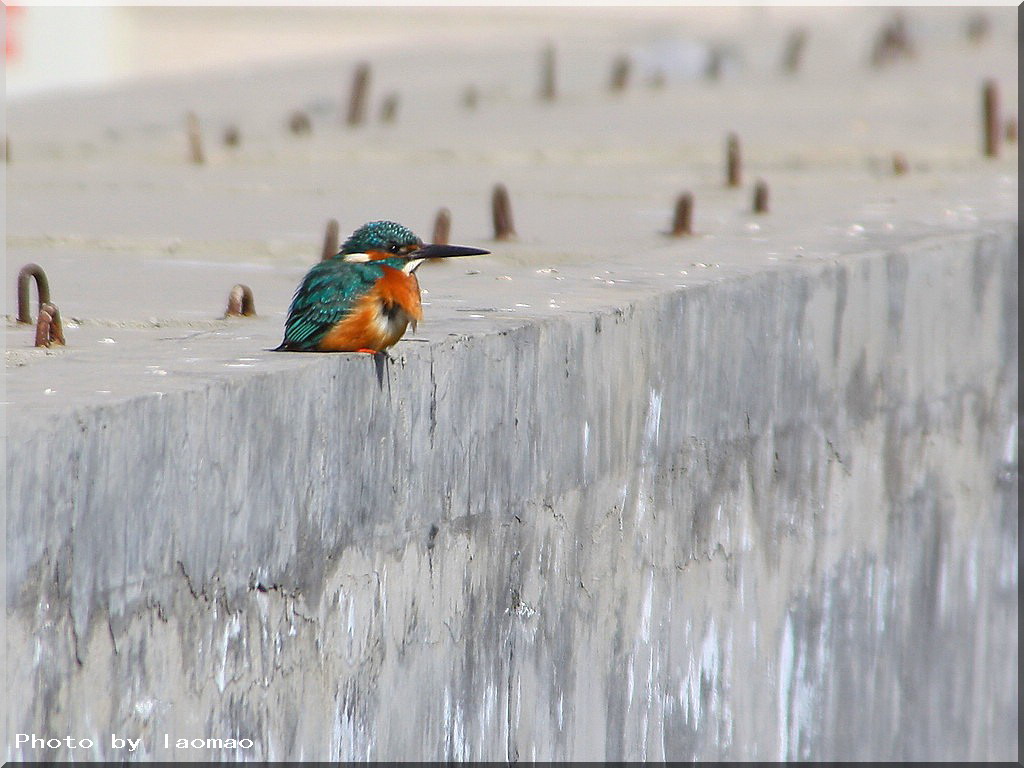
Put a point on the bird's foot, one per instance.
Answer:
(379, 354)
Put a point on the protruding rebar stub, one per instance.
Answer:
(978, 28)
(232, 137)
(357, 98)
(501, 209)
(49, 330)
(330, 248)
(793, 56)
(893, 43)
(195, 139)
(442, 227)
(26, 274)
(990, 110)
(389, 108)
(761, 196)
(620, 74)
(299, 124)
(548, 90)
(899, 164)
(240, 302)
(733, 164)
(715, 64)
(682, 222)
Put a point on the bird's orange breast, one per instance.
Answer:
(403, 290)
(380, 317)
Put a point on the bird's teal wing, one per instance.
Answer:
(327, 293)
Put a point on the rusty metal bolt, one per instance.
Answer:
(1011, 131)
(990, 108)
(899, 164)
(761, 196)
(42, 290)
(470, 97)
(240, 302)
(733, 161)
(548, 90)
(620, 74)
(299, 123)
(195, 139)
(442, 227)
(357, 98)
(330, 249)
(682, 223)
(501, 210)
(49, 330)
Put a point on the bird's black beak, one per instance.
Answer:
(437, 251)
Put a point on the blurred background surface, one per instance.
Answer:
(73, 47)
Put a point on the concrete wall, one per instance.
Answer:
(774, 517)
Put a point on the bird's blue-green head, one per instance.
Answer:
(381, 239)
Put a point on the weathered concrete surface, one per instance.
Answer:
(751, 494)
(780, 524)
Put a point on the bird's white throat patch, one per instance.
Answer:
(362, 258)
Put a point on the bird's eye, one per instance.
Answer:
(394, 248)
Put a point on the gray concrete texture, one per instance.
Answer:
(750, 494)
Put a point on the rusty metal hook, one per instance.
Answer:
(240, 302)
(42, 289)
(49, 330)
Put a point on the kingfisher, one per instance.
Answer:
(363, 298)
